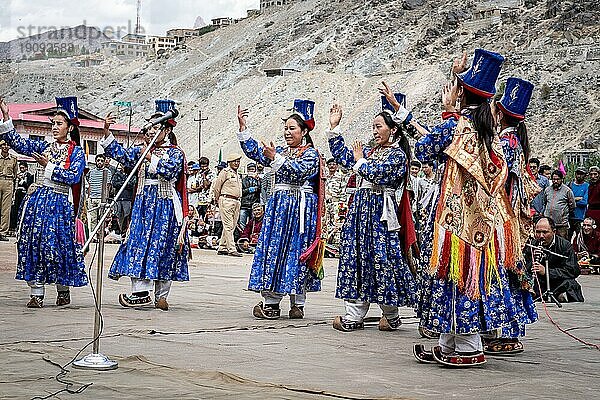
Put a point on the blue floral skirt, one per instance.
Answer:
(372, 267)
(150, 251)
(276, 266)
(47, 251)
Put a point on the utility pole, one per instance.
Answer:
(199, 121)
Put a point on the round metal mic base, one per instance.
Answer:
(96, 362)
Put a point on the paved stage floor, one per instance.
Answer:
(208, 346)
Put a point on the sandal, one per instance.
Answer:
(63, 298)
(428, 334)
(458, 360)
(296, 312)
(344, 325)
(133, 300)
(266, 311)
(502, 347)
(389, 325)
(423, 356)
(35, 302)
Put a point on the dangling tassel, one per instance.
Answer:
(455, 259)
(445, 258)
(509, 246)
(472, 287)
(435, 249)
(465, 268)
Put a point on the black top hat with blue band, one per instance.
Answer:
(385, 104)
(306, 109)
(517, 95)
(162, 107)
(68, 107)
(481, 78)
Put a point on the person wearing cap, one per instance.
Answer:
(580, 189)
(520, 189)
(46, 246)
(465, 289)
(250, 194)
(373, 266)
(205, 178)
(193, 185)
(593, 210)
(157, 247)
(288, 257)
(227, 190)
(8, 174)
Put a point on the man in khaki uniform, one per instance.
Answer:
(228, 192)
(8, 174)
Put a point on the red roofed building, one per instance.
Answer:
(32, 121)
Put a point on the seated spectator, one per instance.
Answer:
(249, 237)
(562, 271)
(587, 245)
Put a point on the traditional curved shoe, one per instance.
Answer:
(63, 298)
(457, 360)
(296, 312)
(423, 356)
(343, 325)
(428, 334)
(161, 304)
(389, 325)
(502, 347)
(265, 312)
(35, 302)
(133, 300)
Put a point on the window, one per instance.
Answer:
(90, 147)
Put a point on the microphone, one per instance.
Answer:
(172, 113)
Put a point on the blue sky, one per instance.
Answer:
(19, 17)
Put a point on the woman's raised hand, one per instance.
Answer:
(335, 116)
(108, 121)
(269, 150)
(460, 64)
(357, 149)
(242, 115)
(4, 109)
(449, 96)
(389, 95)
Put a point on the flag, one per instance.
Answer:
(561, 168)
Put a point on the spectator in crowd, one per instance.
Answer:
(213, 221)
(558, 203)
(250, 194)
(427, 189)
(193, 185)
(546, 170)
(593, 210)
(562, 270)
(266, 183)
(538, 202)
(205, 178)
(587, 244)
(8, 174)
(249, 237)
(334, 194)
(122, 208)
(227, 192)
(95, 188)
(413, 187)
(22, 183)
(579, 187)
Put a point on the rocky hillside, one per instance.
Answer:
(341, 50)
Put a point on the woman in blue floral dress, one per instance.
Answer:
(372, 266)
(290, 221)
(466, 250)
(47, 250)
(156, 249)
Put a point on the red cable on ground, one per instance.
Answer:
(595, 346)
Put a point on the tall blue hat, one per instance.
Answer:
(162, 106)
(385, 104)
(306, 109)
(481, 77)
(517, 95)
(68, 107)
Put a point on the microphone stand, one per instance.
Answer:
(96, 360)
(548, 295)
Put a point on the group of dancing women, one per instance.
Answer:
(468, 281)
